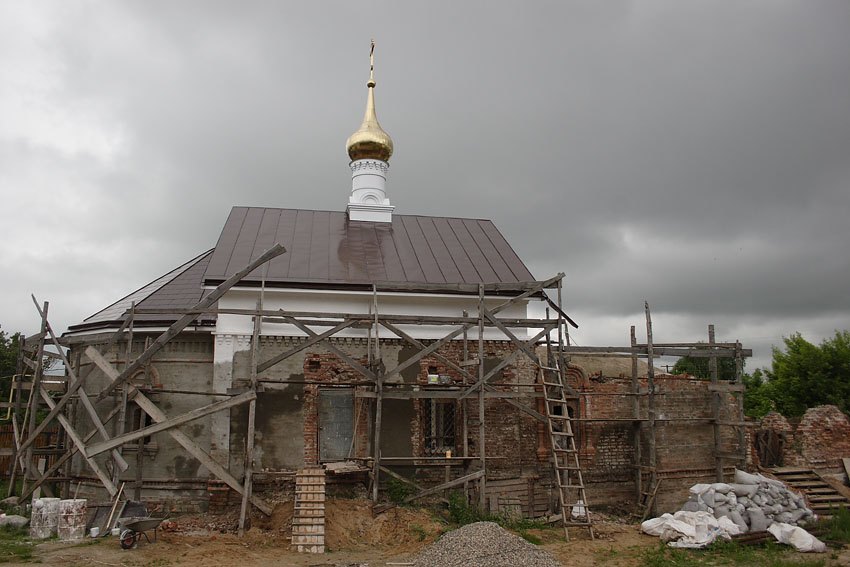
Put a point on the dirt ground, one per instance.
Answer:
(354, 539)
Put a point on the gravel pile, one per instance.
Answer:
(753, 502)
(483, 544)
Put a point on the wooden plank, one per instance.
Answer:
(191, 447)
(446, 395)
(329, 319)
(184, 321)
(722, 352)
(197, 413)
(445, 485)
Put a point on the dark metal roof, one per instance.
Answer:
(325, 249)
(181, 288)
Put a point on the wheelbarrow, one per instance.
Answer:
(132, 528)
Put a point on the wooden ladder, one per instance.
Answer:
(571, 492)
(308, 517)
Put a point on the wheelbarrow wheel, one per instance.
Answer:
(127, 539)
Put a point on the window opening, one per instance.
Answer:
(439, 427)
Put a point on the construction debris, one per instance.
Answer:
(753, 503)
(483, 544)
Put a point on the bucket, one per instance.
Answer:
(45, 518)
(72, 519)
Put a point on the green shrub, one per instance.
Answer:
(398, 491)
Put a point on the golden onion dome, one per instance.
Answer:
(370, 141)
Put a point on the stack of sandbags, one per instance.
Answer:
(753, 502)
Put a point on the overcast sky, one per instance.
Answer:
(692, 154)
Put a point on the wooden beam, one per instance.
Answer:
(502, 364)
(84, 398)
(447, 394)
(445, 485)
(536, 415)
(191, 447)
(420, 346)
(262, 367)
(81, 447)
(406, 480)
(197, 413)
(184, 321)
(519, 344)
(348, 360)
(425, 352)
(722, 352)
(64, 458)
(329, 319)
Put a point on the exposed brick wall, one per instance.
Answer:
(819, 440)
(684, 449)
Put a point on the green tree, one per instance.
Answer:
(698, 367)
(806, 375)
(758, 398)
(8, 358)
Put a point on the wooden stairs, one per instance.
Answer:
(571, 492)
(308, 517)
(820, 494)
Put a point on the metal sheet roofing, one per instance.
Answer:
(180, 288)
(325, 249)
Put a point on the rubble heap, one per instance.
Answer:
(483, 544)
(753, 502)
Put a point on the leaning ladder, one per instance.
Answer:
(571, 492)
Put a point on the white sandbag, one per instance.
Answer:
(742, 490)
(742, 477)
(799, 538)
(728, 528)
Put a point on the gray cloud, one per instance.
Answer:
(691, 154)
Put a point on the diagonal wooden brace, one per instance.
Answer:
(81, 446)
(191, 447)
(84, 398)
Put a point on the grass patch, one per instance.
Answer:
(727, 553)
(418, 530)
(837, 528)
(15, 545)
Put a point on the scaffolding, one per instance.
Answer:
(373, 386)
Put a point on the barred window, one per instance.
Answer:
(439, 427)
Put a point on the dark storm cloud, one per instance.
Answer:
(692, 154)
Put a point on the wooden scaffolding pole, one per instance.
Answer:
(122, 403)
(482, 482)
(715, 409)
(379, 398)
(252, 413)
(650, 387)
(739, 379)
(637, 424)
(17, 384)
(32, 404)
